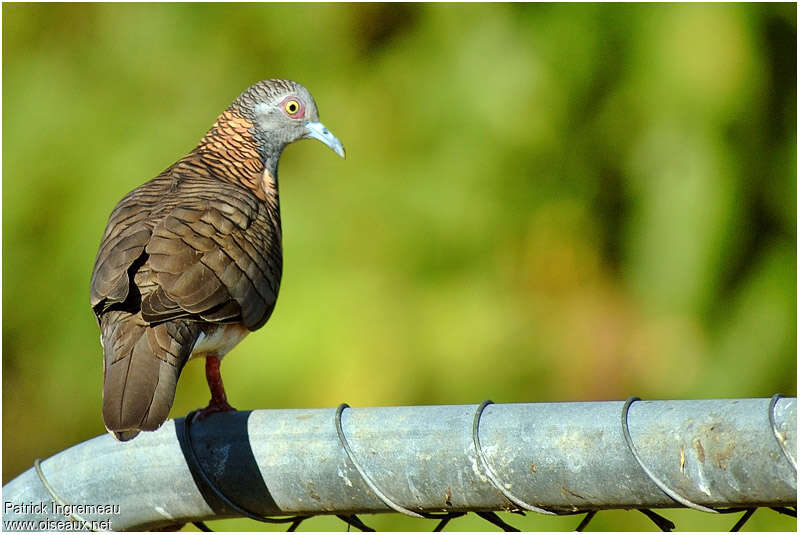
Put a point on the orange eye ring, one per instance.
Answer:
(293, 107)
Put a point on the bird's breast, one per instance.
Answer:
(218, 339)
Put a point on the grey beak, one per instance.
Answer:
(318, 131)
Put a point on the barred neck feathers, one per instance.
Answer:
(229, 152)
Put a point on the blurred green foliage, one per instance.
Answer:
(540, 202)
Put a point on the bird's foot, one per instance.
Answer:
(214, 406)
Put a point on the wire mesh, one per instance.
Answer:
(660, 521)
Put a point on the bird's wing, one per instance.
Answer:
(212, 251)
(127, 233)
(217, 256)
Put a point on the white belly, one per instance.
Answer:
(218, 340)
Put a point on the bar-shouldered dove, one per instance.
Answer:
(191, 261)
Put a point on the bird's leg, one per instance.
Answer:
(219, 401)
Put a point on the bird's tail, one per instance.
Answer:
(142, 365)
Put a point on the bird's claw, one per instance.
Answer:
(213, 407)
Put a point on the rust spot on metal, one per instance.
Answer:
(565, 491)
(309, 486)
(723, 447)
(698, 447)
(722, 457)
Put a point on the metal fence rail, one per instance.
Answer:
(552, 457)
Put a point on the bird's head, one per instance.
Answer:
(282, 111)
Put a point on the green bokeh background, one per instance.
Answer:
(539, 203)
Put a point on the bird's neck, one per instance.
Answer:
(230, 152)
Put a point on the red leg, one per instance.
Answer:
(219, 401)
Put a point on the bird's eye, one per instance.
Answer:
(293, 107)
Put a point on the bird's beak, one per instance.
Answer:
(318, 131)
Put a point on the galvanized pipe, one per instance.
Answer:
(561, 457)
